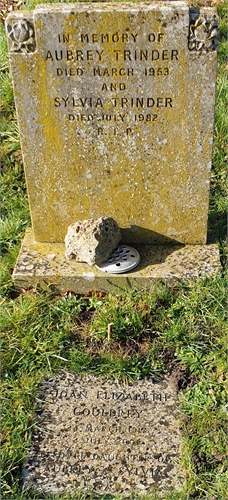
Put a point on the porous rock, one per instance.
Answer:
(92, 240)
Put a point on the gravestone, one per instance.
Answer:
(105, 437)
(115, 105)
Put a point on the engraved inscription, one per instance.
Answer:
(203, 33)
(91, 432)
(117, 102)
(115, 61)
(92, 110)
(109, 37)
(118, 55)
(22, 36)
(113, 71)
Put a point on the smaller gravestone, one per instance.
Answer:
(104, 437)
(92, 240)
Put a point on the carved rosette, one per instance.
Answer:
(21, 34)
(203, 33)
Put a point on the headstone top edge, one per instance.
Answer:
(108, 6)
(97, 7)
(112, 5)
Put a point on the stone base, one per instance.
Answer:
(45, 264)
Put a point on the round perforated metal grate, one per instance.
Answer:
(121, 260)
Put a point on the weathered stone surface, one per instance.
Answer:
(115, 104)
(92, 240)
(46, 264)
(106, 437)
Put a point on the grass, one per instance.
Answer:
(182, 327)
(179, 328)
